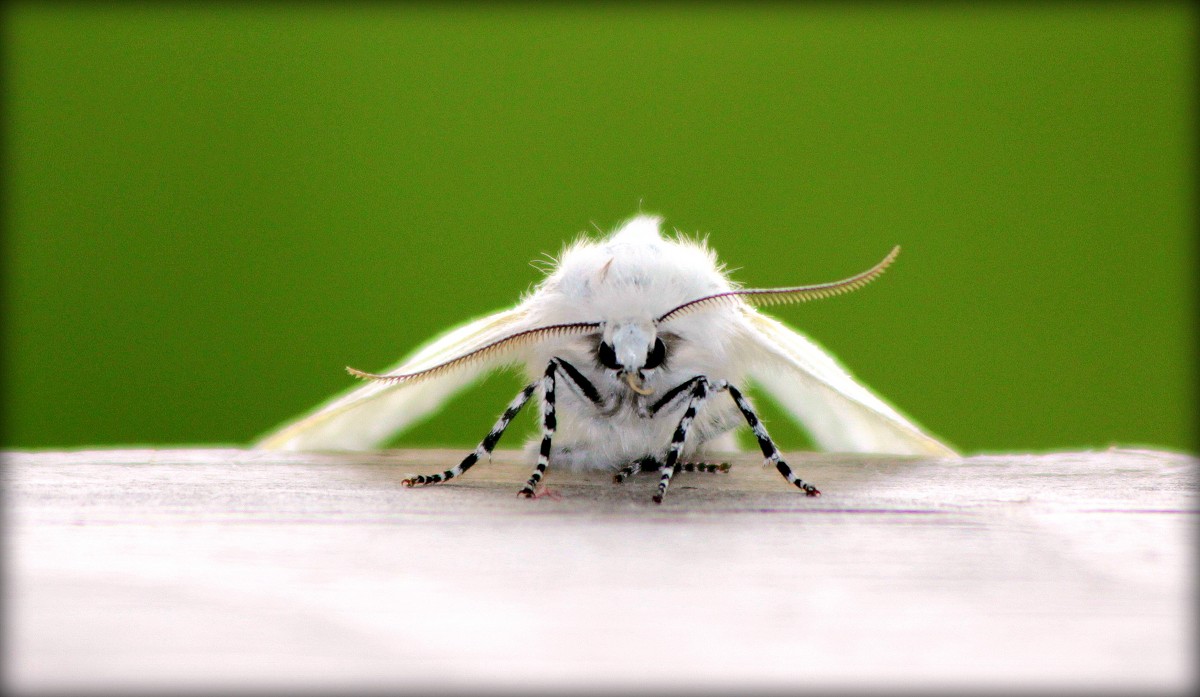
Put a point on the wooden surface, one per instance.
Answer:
(235, 570)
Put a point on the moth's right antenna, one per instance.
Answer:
(776, 296)
(512, 341)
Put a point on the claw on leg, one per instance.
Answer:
(422, 480)
(625, 473)
(541, 492)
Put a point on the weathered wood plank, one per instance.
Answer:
(229, 568)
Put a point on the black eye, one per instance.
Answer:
(657, 355)
(607, 357)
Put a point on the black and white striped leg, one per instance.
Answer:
(646, 464)
(626, 472)
(649, 464)
(698, 395)
(483, 449)
(549, 423)
(769, 451)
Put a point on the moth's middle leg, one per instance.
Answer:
(701, 386)
(549, 381)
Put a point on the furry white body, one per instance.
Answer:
(634, 277)
(625, 284)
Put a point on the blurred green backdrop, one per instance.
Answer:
(209, 211)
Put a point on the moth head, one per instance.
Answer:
(630, 347)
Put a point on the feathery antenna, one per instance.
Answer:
(779, 296)
(509, 342)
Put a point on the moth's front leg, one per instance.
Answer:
(700, 387)
(549, 423)
(674, 394)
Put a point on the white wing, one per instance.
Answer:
(841, 414)
(368, 415)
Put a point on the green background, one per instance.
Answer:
(210, 210)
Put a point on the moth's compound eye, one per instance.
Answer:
(607, 357)
(657, 355)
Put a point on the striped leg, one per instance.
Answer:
(626, 472)
(769, 451)
(709, 467)
(483, 449)
(549, 423)
(649, 464)
(699, 394)
(646, 464)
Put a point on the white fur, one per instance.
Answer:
(625, 282)
(631, 279)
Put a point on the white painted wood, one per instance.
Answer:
(233, 569)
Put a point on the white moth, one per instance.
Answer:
(638, 349)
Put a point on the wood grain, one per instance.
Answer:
(210, 569)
